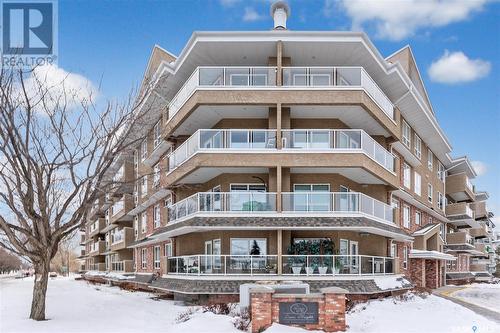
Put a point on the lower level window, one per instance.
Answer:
(156, 257)
(248, 246)
(144, 258)
(168, 250)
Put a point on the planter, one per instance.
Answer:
(309, 270)
(322, 270)
(296, 270)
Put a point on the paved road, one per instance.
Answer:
(447, 293)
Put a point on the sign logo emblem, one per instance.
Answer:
(29, 32)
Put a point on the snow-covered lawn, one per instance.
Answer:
(484, 295)
(76, 306)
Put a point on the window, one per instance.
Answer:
(430, 219)
(168, 250)
(144, 258)
(144, 186)
(418, 147)
(440, 201)
(430, 159)
(442, 230)
(406, 216)
(136, 159)
(317, 201)
(441, 172)
(429, 192)
(248, 246)
(418, 184)
(136, 226)
(247, 187)
(394, 250)
(168, 202)
(157, 134)
(144, 222)
(405, 257)
(406, 175)
(144, 150)
(418, 218)
(156, 175)
(156, 216)
(156, 257)
(406, 138)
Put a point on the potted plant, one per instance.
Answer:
(294, 262)
(326, 250)
(338, 265)
(271, 268)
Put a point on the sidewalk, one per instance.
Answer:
(446, 292)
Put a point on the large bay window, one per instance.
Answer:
(248, 246)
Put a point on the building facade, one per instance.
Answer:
(283, 155)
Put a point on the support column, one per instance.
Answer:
(279, 142)
(280, 251)
(279, 63)
(279, 183)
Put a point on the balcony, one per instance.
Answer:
(480, 209)
(122, 238)
(308, 203)
(121, 208)
(460, 188)
(97, 248)
(483, 267)
(483, 248)
(97, 226)
(481, 232)
(296, 265)
(459, 238)
(122, 180)
(124, 266)
(338, 203)
(339, 78)
(101, 267)
(219, 203)
(293, 141)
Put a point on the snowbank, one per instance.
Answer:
(391, 282)
(110, 275)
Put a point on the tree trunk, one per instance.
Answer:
(39, 291)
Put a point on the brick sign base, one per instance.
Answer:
(265, 308)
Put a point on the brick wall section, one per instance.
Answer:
(264, 308)
(431, 273)
(150, 259)
(417, 272)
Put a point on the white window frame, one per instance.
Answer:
(156, 216)
(157, 257)
(406, 216)
(406, 175)
(418, 183)
(406, 134)
(144, 186)
(136, 226)
(418, 147)
(430, 159)
(144, 150)
(405, 257)
(144, 258)
(156, 135)
(441, 172)
(430, 193)
(156, 175)
(144, 222)
(418, 218)
(440, 201)
(168, 250)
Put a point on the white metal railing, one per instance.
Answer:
(222, 77)
(234, 76)
(117, 266)
(338, 77)
(211, 139)
(336, 202)
(118, 236)
(341, 140)
(221, 202)
(469, 211)
(304, 265)
(469, 185)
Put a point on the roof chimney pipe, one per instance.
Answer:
(280, 12)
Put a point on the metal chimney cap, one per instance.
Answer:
(280, 4)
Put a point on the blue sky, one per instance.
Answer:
(109, 42)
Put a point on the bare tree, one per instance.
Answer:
(9, 262)
(57, 156)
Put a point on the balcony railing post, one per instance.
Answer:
(251, 265)
(199, 265)
(383, 262)
(307, 264)
(373, 265)
(359, 263)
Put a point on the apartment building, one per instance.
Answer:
(288, 155)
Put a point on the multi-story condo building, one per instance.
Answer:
(289, 155)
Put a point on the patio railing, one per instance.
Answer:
(300, 265)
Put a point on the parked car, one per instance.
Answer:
(52, 274)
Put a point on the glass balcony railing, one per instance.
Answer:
(220, 202)
(337, 77)
(303, 265)
(336, 202)
(325, 77)
(342, 140)
(235, 139)
(321, 139)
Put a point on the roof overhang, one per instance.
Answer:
(421, 254)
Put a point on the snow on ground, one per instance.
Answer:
(76, 306)
(390, 282)
(417, 314)
(481, 294)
